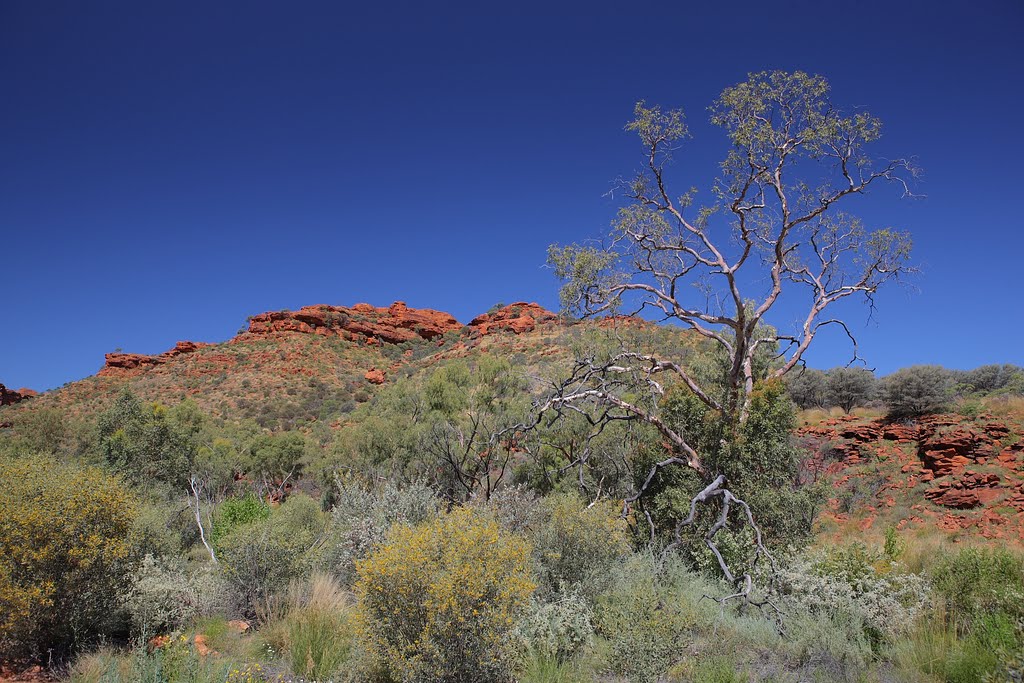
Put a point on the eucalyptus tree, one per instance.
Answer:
(774, 227)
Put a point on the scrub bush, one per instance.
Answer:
(64, 550)
(439, 601)
(557, 631)
(362, 517)
(575, 546)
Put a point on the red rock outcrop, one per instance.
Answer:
(946, 448)
(396, 324)
(949, 452)
(12, 396)
(118, 364)
(968, 491)
(518, 318)
(374, 376)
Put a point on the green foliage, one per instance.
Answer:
(557, 631)
(149, 444)
(277, 458)
(646, 619)
(362, 517)
(438, 429)
(439, 601)
(588, 273)
(64, 550)
(858, 587)
(576, 546)
(160, 598)
(237, 512)
(850, 387)
(992, 379)
(917, 390)
(165, 595)
(260, 558)
(761, 463)
(807, 387)
(979, 583)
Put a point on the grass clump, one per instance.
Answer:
(316, 634)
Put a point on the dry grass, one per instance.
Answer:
(1008, 406)
(314, 630)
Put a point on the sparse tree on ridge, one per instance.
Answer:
(772, 228)
(850, 387)
(807, 387)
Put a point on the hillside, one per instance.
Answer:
(961, 477)
(311, 364)
(296, 455)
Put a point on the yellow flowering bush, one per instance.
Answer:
(64, 546)
(439, 601)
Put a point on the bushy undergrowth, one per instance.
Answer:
(439, 601)
(647, 619)
(362, 517)
(165, 595)
(575, 545)
(262, 557)
(64, 551)
(316, 630)
(859, 587)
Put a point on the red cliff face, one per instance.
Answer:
(12, 396)
(396, 324)
(518, 318)
(119, 364)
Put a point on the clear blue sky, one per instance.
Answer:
(167, 169)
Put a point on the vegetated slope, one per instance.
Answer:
(313, 364)
(316, 364)
(961, 475)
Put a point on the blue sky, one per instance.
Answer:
(168, 169)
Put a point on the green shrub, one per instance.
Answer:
(557, 631)
(576, 546)
(439, 601)
(647, 619)
(64, 550)
(164, 595)
(850, 387)
(807, 387)
(261, 558)
(362, 517)
(160, 598)
(858, 587)
(516, 508)
(917, 390)
(979, 583)
(237, 512)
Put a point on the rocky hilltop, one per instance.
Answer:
(363, 323)
(118, 363)
(11, 396)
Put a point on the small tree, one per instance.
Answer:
(772, 225)
(850, 387)
(807, 387)
(917, 390)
